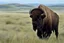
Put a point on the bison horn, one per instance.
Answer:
(43, 15)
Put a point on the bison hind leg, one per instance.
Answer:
(56, 32)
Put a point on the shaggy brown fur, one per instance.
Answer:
(44, 21)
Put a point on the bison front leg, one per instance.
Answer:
(56, 30)
(39, 34)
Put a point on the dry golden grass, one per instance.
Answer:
(17, 28)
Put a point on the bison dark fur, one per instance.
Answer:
(43, 22)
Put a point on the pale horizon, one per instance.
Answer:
(32, 1)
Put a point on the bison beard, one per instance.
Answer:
(42, 31)
(44, 21)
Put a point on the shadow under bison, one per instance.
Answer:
(45, 21)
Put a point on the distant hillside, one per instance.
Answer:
(58, 5)
(34, 4)
(6, 6)
(27, 7)
(20, 5)
(14, 5)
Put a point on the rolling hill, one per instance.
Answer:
(26, 7)
(15, 7)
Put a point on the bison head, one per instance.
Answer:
(35, 14)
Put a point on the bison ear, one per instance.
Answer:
(43, 15)
(30, 12)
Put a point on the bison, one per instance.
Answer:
(44, 20)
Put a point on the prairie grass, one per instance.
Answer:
(17, 28)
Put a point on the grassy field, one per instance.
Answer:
(17, 28)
